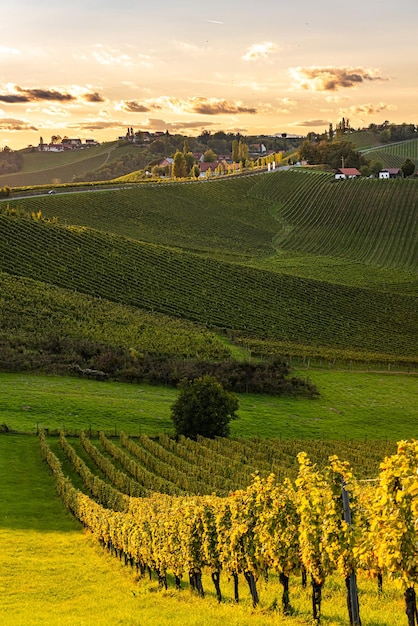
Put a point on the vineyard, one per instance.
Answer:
(58, 316)
(337, 244)
(227, 296)
(394, 155)
(365, 220)
(287, 266)
(285, 526)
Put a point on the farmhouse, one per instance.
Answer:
(167, 161)
(346, 172)
(390, 172)
(214, 168)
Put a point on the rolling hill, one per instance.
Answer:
(290, 259)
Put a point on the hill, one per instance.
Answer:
(102, 162)
(394, 154)
(290, 258)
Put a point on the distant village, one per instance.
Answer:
(58, 144)
(220, 164)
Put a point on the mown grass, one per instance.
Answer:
(53, 573)
(352, 405)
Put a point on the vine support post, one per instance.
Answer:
(411, 606)
(350, 581)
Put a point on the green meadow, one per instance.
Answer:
(352, 405)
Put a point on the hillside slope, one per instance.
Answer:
(289, 257)
(219, 294)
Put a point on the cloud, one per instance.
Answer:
(197, 105)
(368, 109)
(10, 124)
(158, 124)
(109, 56)
(18, 95)
(189, 48)
(93, 97)
(97, 125)
(260, 51)
(5, 51)
(331, 78)
(50, 111)
(311, 123)
(33, 95)
(134, 107)
(215, 106)
(47, 94)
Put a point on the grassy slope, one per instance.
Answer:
(43, 168)
(352, 405)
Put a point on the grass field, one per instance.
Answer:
(352, 405)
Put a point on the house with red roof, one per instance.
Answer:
(346, 172)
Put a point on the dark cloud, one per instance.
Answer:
(333, 78)
(312, 123)
(34, 95)
(93, 97)
(12, 98)
(47, 94)
(10, 124)
(208, 106)
(135, 107)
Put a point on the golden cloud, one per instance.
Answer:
(332, 78)
(260, 51)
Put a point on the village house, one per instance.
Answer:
(343, 173)
(213, 168)
(390, 172)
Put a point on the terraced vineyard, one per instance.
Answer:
(59, 314)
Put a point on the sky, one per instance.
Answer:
(90, 69)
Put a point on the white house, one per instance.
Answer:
(346, 172)
(390, 172)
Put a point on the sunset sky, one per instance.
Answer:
(92, 68)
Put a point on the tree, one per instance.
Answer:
(179, 168)
(203, 407)
(209, 156)
(408, 168)
(190, 161)
(235, 151)
(195, 171)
